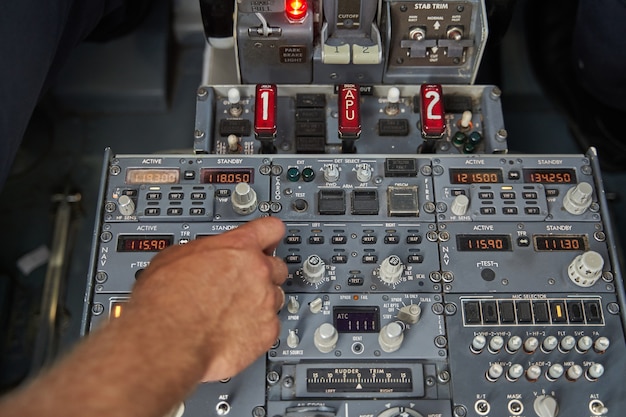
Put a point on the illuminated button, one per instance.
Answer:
(369, 259)
(365, 54)
(524, 314)
(415, 259)
(316, 240)
(432, 112)
(472, 312)
(339, 259)
(293, 174)
(558, 313)
(296, 10)
(198, 196)
(152, 211)
(392, 239)
(507, 312)
(349, 111)
(414, 239)
(174, 211)
(265, 111)
(368, 240)
(339, 240)
(293, 259)
(514, 175)
(336, 54)
(490, 312)
(540, 309)
(116, 309)
(308, 174)
(293, 240)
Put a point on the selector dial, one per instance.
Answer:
(126, 205)
(313, 269)
(390, 270)
(546, 406)
(410, 314)
(364, 173)
(331, 173)
(400, 412)
(244, 199)
(586, 269)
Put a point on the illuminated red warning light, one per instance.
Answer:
(265, 111)
(432, 112)
(296, 9)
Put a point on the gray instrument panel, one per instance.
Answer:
(403, 298)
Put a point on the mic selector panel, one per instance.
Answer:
(418, 285)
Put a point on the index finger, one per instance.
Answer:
(265, 232)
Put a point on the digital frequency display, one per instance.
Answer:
(562, 242)
(475, 176)
(550, 175)
(227, 175)
(356, 319)
(152, 176)
(143, 243)
(483, 243)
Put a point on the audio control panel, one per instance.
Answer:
(419, 285)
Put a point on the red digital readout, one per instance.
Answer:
(349, 111)
(432, 112)
(265, 111)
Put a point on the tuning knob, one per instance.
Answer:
(313, 269)
(390, 270)
(546, 406)
(390, 337)
(459, 205)
(586, 269)
(125, 205)
(578, 198)
(244, 199)
(325, 337)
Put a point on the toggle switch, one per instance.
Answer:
(393, 98)
(234, 98)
